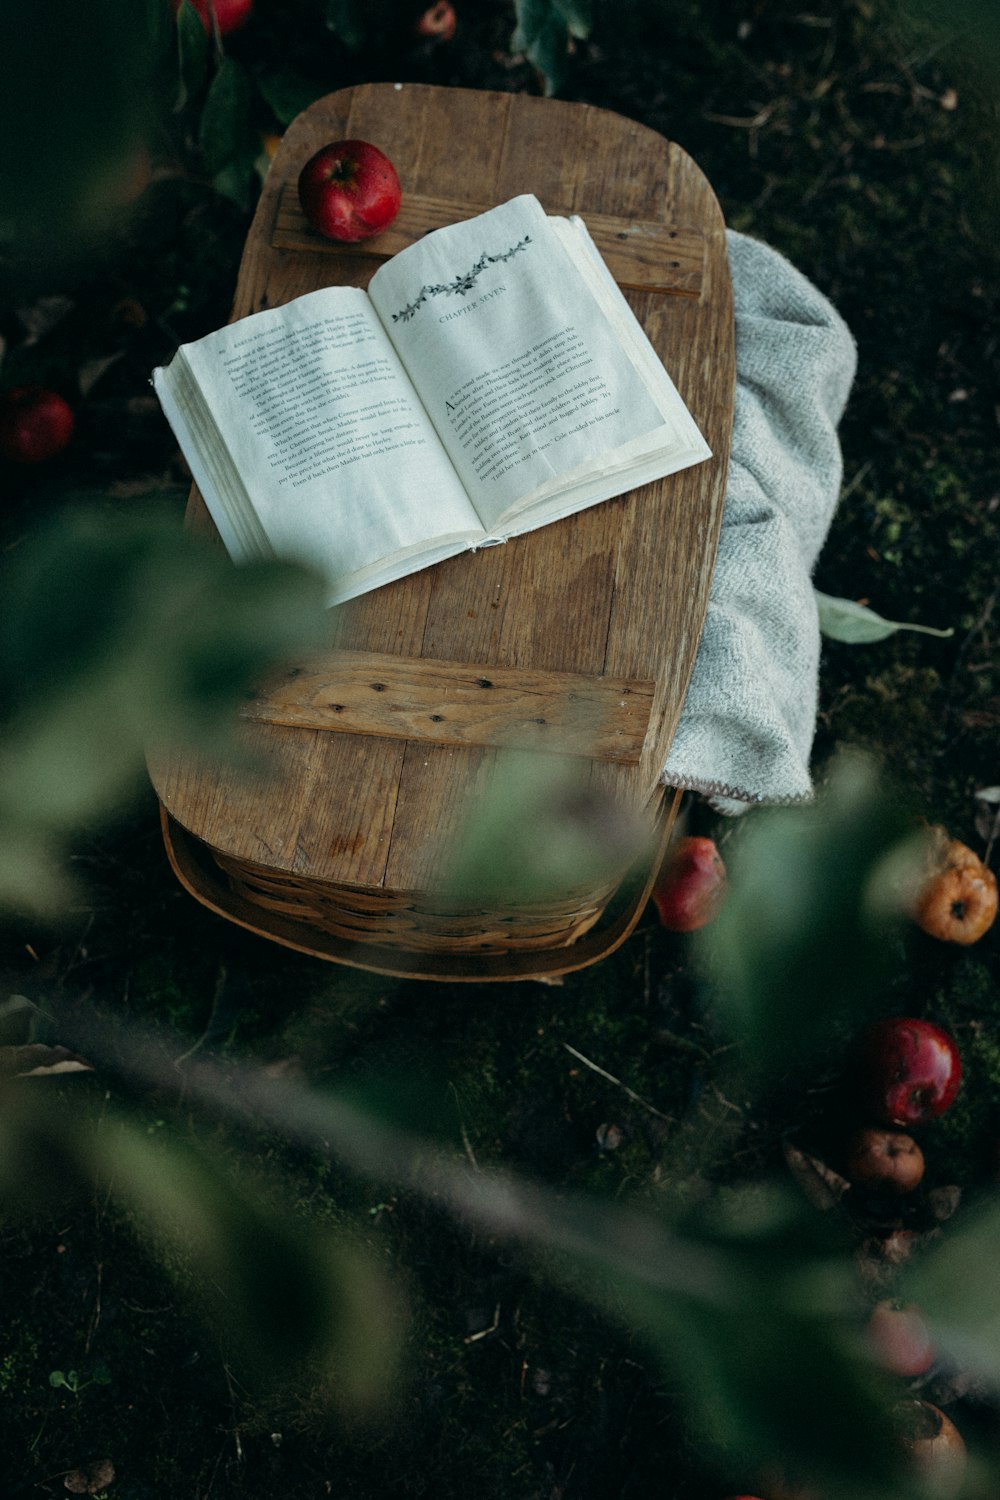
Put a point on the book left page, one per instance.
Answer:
(308, 441)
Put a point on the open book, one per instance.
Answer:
(492, 379)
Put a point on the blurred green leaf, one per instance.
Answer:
(804, 940)
(119, 636)
(281, 1289)
(846, 620)
(239, 182)
(346, 19)
(578, 15)
(748, 1300)
(775, 1391)
(227, 135)
(541, 832)
(78, 97)
(971, 26)
(282, 1292)
(194, 55)
(751, 1308)
(542, 33)
(288, 93)
(956, 1286)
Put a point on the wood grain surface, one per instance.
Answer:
(641, 254)
(615, 595)
(459, 703)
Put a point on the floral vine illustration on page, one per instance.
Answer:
(461, 284)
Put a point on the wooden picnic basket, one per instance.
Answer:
(578, 639)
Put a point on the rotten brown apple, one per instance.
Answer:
(886, 1160)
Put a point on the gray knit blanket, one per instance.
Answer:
(749, 718)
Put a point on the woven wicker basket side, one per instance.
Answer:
(416, 924)
(199, 871)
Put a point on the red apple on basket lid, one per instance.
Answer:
(691, 886)
(349, 191)
(908, 1071)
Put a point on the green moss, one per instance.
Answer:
(19, 1365)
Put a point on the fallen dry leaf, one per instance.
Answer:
(821, 1184)
(879, 1257)
(36, 1060)
(91, 371)
(943, 1202)
(42, 316)
(91, 1477)
(284, 1067)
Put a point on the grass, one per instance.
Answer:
(863, 145)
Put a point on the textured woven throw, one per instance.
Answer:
(749, 718)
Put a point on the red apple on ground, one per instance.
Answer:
(35, 424)
(230, 14)
(349, 191)
(774, 1486)
(886, 1160)
(958, 901)
(908, 1071)
(691, 887)
(438, 23)
(899, 1338)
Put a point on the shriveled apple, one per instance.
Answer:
(887, 1160)
(958, 900)
(934, 1445)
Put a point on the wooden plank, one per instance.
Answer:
(454, 703)
(640, 253)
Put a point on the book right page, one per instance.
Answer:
(522, 365)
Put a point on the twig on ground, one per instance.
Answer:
(461, 1125)
(603, 1073)
(473, 1338)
